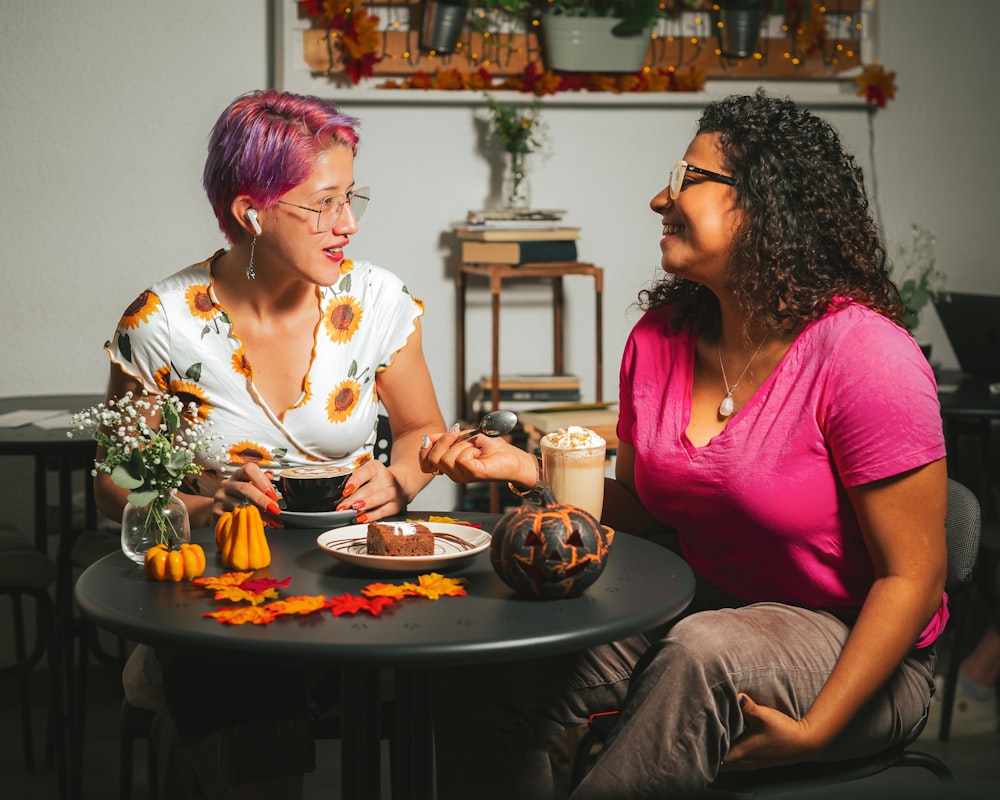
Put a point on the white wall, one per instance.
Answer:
(106, 106)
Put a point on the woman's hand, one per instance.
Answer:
(770, 739)
(480, 458)
(250, 483)
(374, 492)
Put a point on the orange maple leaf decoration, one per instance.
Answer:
(432, 586)
(876, 85)
(301, 605)
(240, 615)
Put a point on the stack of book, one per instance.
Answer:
(520, 392)
(516, 237)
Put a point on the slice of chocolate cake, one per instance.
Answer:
(400, 539)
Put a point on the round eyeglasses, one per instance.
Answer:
(330, 208)
(675, 183)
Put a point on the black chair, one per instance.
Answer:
(963, 531)
(27, 574)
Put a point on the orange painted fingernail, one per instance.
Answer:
(348, 490)
(273, 508)
(361, 518)
(271, 493)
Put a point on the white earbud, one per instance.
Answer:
(252, 217)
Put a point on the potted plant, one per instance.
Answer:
(598, 35)
(441, 24)
(738, 23)
(920, 281)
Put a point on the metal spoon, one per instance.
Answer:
(496, 423)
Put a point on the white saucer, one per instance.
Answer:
(316, 519)
(452, 544)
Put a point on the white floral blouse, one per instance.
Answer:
(177, 337)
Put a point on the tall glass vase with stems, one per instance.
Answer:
(164, 520)
(516, 189)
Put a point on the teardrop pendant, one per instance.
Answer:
(726, 407)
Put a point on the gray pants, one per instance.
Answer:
(677, 691)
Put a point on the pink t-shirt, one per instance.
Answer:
(761, 509)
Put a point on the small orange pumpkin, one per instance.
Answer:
(239, 535)
(174, 562)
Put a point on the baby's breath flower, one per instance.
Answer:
(149, 461)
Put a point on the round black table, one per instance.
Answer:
(643, 586)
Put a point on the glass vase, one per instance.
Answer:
(163, 521)
(516, 190)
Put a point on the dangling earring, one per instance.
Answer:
(250, 270)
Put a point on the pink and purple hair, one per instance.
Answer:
(265, 144)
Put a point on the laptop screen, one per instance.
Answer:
(972, 322)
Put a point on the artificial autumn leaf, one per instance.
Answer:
(240, 615)
(352, 604)
(219, 581)
(238, 594)
(434, 585)
(393, 590)
(301, 605)
(876, 85)
(691, 79)
(263, 584)
(447, 520)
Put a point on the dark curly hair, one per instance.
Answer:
(807, 235)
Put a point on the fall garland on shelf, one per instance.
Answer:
(353, 31)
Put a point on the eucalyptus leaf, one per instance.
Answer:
(179, 462)
(194, 372)
(123, 477)
(171, 417)
(143, 498)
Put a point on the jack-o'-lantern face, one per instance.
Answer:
(552, 550)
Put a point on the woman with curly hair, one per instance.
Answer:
(780, 420)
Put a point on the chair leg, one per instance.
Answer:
(20, 650)
(963, 608)
(912, 758)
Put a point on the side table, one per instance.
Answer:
(553, 271)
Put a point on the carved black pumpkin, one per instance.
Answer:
(549, 550)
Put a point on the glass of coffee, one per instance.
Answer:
(313, 488)
(573, 467)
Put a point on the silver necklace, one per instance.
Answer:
(726, 406)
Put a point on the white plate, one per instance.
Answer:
(316, 519)
(452, 543)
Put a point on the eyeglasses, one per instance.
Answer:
(676, 180)
(331, 208)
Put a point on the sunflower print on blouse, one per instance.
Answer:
(247, 452)
(240, 362)
(200, 303)
(342, 400)
(341, 318)
(140, 310)
(189, 392)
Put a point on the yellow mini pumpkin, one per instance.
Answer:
(239, 535)
(174, 562)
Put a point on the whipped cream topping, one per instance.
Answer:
(401, 528)
(572, 438)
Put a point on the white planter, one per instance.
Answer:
(585, 44)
